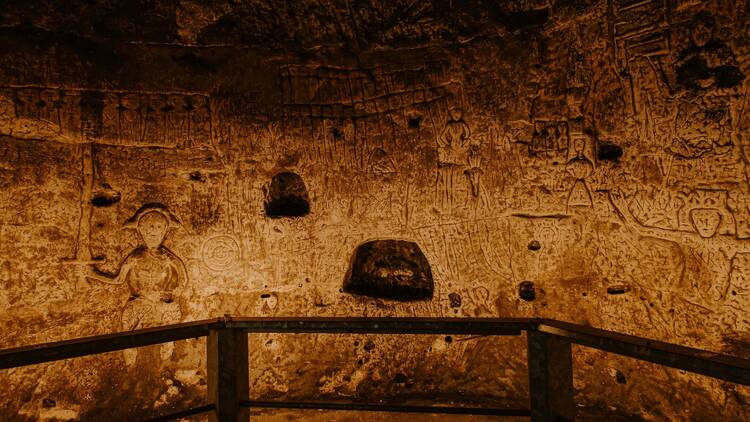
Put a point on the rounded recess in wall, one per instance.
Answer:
(390, 269)
(287, 196)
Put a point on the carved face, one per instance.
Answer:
(456, 113)
(706, 221)
(152, 227)
(702, 33)
(579, 144)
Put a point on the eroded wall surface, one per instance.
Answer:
(585, 161)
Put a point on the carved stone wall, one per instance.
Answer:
(579, 160)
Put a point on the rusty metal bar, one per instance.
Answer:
(48, 352)
(716, 365)
(183, 413)
(386, 408)
(477, 326)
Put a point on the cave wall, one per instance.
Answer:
(584, 161)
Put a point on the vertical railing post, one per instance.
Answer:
(228, 378)
(550, 378)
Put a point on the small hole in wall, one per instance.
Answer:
(618, 289)
(105, 197)
(415, 122)
(197, 176)
(337, 133)
(390, 269)
(620, 377)
(287, 196)
(455, 300)
(526, 291)
(609, 152)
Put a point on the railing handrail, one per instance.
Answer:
(717, 365)
(92, 345)
(384, 325)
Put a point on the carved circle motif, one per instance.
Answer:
(221, 253)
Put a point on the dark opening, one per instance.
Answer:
(287, 196)
(526, 291)
(105, 197)
(617, 289)
(609, 151)
(390, 269)
(415, 122)
(455, 300)
(197, 176)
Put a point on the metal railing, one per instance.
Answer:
(549, 356)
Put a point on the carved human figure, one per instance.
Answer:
(154, 275)
(453, 146)
(152, 271)
(453, 142)
(707, 72)
(474, 172)
(577, 79)
(579, 167)
(707, 63)
(129, 119)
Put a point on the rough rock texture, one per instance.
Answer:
(580, 160)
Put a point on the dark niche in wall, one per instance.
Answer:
(287, 196)
(390, 269)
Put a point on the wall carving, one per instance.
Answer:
(585, 161)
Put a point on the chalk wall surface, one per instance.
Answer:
(168, 161)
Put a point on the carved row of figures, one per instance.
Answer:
(110, 117)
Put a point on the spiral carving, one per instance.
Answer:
(221, 253)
